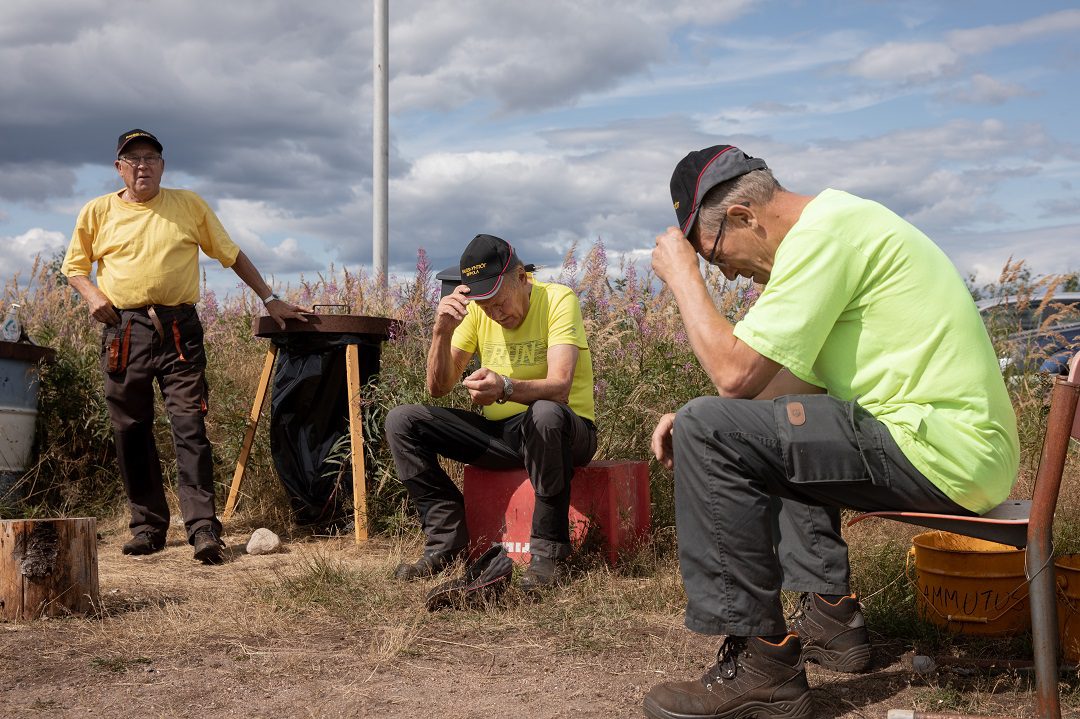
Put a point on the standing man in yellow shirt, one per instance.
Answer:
(535, 386)
(145, 240)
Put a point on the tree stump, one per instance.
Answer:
(48, 567)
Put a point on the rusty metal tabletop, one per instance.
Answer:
(376, 327)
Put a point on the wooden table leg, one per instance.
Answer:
(356, 434)
(249, 435)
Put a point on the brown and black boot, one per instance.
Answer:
(431, 563)
(833, 634)
(209, 549)
(752, 678)
(145, 542)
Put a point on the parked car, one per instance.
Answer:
(1032, 334)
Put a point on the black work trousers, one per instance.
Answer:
(135, 354)
(548, 440)
(758, 491)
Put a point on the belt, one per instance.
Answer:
(151, 311)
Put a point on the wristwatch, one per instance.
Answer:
(270, 298)
(508, 389)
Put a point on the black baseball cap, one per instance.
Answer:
(484, 263)
(702, 170)
(136, 134)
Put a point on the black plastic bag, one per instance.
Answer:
(309, 414)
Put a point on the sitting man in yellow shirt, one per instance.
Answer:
(145, 240)
(535, 386)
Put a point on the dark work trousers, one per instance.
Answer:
(758, 487)
(548, 440)
(177, 361)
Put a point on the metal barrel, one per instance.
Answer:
(19, 379)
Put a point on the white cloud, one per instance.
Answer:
(905, 61)
(923, 60)
(20, 251)
(985, 90)
(991, 37)
(1045, 250)
(248, 223)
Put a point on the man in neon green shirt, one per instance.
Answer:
(146, 241)
(535, 387)
(862, 377)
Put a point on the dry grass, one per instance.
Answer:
(323, 630)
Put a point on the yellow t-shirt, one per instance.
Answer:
(147, 252)
(554, 318)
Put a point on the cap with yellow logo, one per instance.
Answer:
(133, 135)
(484, 264)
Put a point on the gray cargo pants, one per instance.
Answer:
(548, 440)
(758, 491)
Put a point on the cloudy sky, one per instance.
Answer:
(543, 122)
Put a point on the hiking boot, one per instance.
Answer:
(208, 547)
(145, 542)
(751, 678)
(541, 573)
(429, 565)
(833, 635)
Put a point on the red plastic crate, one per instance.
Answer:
(609, 503)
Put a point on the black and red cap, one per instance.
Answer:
(702, 170)
(132, 135)
(484, 264)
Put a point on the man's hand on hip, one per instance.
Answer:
(674, 256)
(452, 310)
(100, 307)
(484, 385)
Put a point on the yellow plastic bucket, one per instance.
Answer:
(970, 586)
(1067, 568)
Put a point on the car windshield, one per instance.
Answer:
(1022, 316)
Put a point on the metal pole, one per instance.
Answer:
(380, 145)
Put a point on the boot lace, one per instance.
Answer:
(798, 615)
(727, 661)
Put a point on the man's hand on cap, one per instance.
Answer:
(673, 256)
(452, 309)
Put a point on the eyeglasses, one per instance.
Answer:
(720, 233)
(136, 160)
(716, 242)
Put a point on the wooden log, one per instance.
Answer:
(48, 567)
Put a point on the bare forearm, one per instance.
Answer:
(711, 337)
(100, 307)
(527, 391)
(82, 285)
(250, 275)
(442, 372)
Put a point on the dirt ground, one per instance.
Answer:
(178, 639)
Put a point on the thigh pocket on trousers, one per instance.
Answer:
(829, 440)
(186, 334)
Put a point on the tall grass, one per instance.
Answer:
(642, 361)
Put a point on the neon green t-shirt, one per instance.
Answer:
(554, 318)
(862, 303)
(147, 252)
